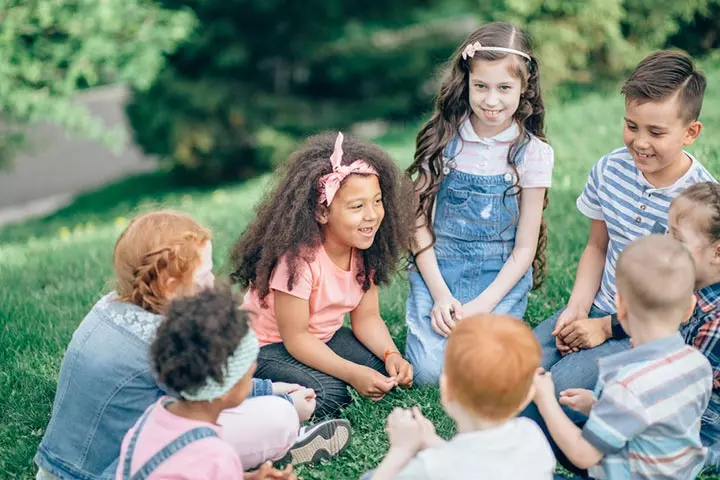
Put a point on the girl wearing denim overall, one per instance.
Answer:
(482, 170)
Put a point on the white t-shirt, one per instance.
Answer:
(517, 449)
(488, 156)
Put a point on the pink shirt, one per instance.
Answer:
(206, 459)
(488, 156)
(331, 292)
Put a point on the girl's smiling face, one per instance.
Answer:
(355, 214)
(494, 95)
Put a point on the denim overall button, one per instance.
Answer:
(446, 170)
(508, 177)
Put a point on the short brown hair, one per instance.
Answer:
(663, 74)
(707, 195)
(490, 362)
(656, 276)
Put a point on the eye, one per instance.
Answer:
(657, 134)
(378, 201)
(632, 128)
(505, 87)
(479, 85)
(357, 206)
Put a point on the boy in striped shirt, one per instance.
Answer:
(627, 196)
(644, 417)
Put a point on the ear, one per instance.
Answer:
(322, 212)
(715, 260)
(692, 132)
(691, 310)
(445, 393)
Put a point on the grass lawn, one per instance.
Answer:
(52, 270)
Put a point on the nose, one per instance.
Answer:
(641, 141)
(371, 214)
(491, 98)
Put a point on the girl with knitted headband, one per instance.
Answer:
(106, 383)
(482, 169)
(324, 238)
(205, 351)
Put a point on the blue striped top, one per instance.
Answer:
(618, 193)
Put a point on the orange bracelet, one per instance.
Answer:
(389, 352)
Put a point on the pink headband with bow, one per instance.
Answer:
(329, 184)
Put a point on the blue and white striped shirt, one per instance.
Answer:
(646, 421)
(618, 193)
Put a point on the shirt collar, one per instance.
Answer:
(659, 348)
(708, 298)
(467, 132)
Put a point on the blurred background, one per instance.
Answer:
(210, 91)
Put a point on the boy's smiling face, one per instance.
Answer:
(655, 133)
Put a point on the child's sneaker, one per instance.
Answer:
(319, 441)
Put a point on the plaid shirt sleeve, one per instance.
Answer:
(707, 341)
(617, 417)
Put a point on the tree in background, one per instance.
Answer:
(50, 49)
(257, 74)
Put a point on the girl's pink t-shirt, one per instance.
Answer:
(331, 292)
(207, 459)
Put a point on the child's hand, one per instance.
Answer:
(399, 369)
(429, 438)
(583, 333)
(579, 399)
(569, 315)
(444, 314)
(304, 402)
(544, 387)
(267, 472)
(282, 387)
(404, 430)
(370, 383)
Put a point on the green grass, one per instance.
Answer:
(52, 270)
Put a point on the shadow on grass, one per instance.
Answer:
(117, 199)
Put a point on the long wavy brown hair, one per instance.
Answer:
(452, 108)
(286, 225)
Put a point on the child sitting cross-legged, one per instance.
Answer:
(490, 362)
(645, 414)
(206, 352)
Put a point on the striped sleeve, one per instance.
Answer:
(589, 200)
(617, 417)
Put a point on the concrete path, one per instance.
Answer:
(56, 167)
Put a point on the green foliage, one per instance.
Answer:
(294, 68)
(49, 49)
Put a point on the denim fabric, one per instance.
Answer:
(104, 386)
(475, 225)
(276, 363)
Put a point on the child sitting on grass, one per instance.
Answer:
(490, 363)
(205, 351)
(644, 418)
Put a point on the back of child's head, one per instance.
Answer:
(663, 75)
(197, 338)
(700, 204)
(153, 249)
(490, 362)
(286, 221)
(655, 276)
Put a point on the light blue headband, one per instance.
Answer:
(237, 366)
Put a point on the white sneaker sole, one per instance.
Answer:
(326, 442)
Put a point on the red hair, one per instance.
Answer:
(155, 248)
(490, 362)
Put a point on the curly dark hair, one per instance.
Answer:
(196, 339)
(452, 107)
(286, 219)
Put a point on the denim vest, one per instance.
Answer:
(105, 385)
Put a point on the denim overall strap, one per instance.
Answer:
(169, 450)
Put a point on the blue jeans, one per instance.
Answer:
(575, 370)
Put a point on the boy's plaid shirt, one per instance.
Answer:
(703, 332)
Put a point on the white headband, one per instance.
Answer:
(237, 366)
(470, 50)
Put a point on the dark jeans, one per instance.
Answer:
(276, 363)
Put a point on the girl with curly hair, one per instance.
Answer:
(206, 352)
(331, 231)
(482, 169)
(105, 380)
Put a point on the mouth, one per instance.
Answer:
(367, 232)
(491, 113)
(644, 156)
